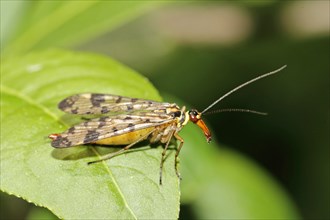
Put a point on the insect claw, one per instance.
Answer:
(161, 175)
(95, 161)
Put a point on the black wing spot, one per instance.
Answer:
(71, 130)
(74, 111)
(61, 142)
(65, 104)
(119, 99)
(104, 110)
(102, 124)
(91, 136)
(97, 99)
(102, 121)
(131, 126)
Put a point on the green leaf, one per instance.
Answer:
(222, 184)
(62, 23)
(11, 14)
(126, 186)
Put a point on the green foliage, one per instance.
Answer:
(63, 23)
(59, 179)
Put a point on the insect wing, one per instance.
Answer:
(109, 126)
(94, 103)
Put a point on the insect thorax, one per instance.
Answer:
(165, 131)
(179, 115)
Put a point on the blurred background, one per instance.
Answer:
(197, 51)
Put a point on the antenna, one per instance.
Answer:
(241, 86)
(236, 110)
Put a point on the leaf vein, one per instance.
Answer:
(116, 184)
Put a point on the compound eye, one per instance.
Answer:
(193, 112)
(193, 115)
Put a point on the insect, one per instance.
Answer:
(128, 121)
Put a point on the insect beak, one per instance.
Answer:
(205, 129)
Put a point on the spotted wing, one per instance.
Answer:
(94, 103)
(105, 127)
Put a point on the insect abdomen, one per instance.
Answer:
(124, 139)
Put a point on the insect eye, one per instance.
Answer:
(193, 115)
(193, 112)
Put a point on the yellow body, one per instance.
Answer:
(126, 138)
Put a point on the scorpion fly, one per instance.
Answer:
(128, 121)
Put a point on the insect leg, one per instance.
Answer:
(163, 157)
(177, 154)
(111, 155)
